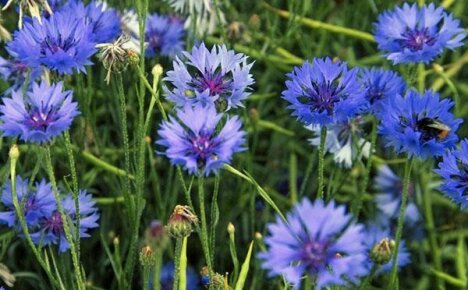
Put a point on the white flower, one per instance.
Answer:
(343, 141)
(202, 14)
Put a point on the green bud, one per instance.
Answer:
(180, 222)
(382, 252)
(147, 257)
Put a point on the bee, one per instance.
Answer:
(433, 128)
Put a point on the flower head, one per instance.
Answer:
(37, 203)
(388, 199)
(103, 21)
(377, 239)
(42, 114)
(194, 143)
(324, 92)
(219, 76)
(61, 43)
(318, 240)
(344, 140)
(419, 125)
(16, 72)
(50, 229)
(381, 85)
(165, 35)
(412, 34)
(454, 172)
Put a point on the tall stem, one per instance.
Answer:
(65, 221)
(401, 219)
(323, 138)
(204, 231)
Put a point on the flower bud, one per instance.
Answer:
(156, 236)
(14, 152)
(382, 252)
(147, 256)
(231, 229)
(180, 222)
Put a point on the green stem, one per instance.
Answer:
(321, 25)
(430, 227)
(323, 138)
(157, 270)
(214, 217)
(178, 249)
(22, 220)
(368, 278)
(204, 231)
(65, 221)
(75, 193)
(182, 266)
(401, 219)
(368, 168)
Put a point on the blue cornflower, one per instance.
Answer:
(374, 235)
(420, 125)
(16, 73)
(454, 172)
(164, 35)
(412, 34)
(380, 85)
(61, 42)
(324, 92)
(37, 203)
(167, 277)
(344, 140)
(42, 114)
(194, 143)
(388, 199)
(218, 77)
(50, 229)
(103, 21)
(318, 240)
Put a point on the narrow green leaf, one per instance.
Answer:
(245, 269)
(183, 266)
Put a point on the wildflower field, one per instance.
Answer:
(233, 144)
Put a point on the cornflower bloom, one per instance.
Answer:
(220, 76)
(381, 85)
(419, 125)
(324, 92)
(50, 228)
(454, 172)
(388, 199)
(194, 143)
(36, 203)
(62, 43)
(103, 21)
(412, 34)
(164, 35)
(319, 240)
(344, 140)
(16, 72)
(44, 113)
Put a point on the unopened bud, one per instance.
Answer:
(147, 256)
(254, 21)
(14, 152)
(157, 70)
(180, 222)
(216, 281)
(258, 236)
(156, 236)
(438, 68)
(231, 229)
(382, 252)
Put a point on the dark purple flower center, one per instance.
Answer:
(19, 67)
(462, 178)
(375, 94)
(30, 205)
(322, 97)
(54, 223)
(314, 255)
(416, 39)
(202, 147)
(215, 82)
(39, 119)
(155, 41)
(55, 44)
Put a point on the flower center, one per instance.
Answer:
(216, 83)
(202, 147)
(314, 254)
(30, 205)
(462, 179)
(54, 223)
(155, 41)
(40, 120)
(416, 39)
(55, 44)
(374, 95)
(322, 97)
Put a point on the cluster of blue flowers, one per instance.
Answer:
(320, 240)
(44, 221)
(203, 137)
